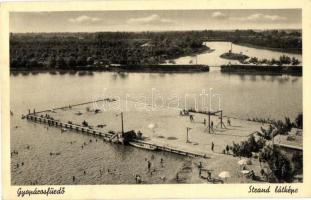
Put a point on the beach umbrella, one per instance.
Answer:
(224, 174)
(152, 126)
(242, 162)
(244, 171)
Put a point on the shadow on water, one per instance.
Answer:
(72, 72)
(242, 77)
(295, 80)
(62, 72)
(114, 76)
(53, 72)
(34, 72)
(271, 77)
(14, 73)
(25, 73)
(263, 77)
(252, 78)
(85, 73)
(123, 75)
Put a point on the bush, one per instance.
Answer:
(297, 160)
(245, 148)
(278, 163)
(299, 121)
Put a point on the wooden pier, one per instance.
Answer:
(52, 122)
(107, 136)
(173, 150)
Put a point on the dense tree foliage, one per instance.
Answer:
(299, 121)
(283, 60)
(279, 164)
(67, 50)
(289, 41)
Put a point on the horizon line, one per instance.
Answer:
(127, 31)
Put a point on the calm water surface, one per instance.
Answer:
(242, 96)
(213, 59)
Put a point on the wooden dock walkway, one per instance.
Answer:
(52, 122)
(107, 136)
(173, 150)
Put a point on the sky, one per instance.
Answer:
(154, 20)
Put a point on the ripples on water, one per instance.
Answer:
(122, 162)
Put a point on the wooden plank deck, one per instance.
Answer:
(107, 136)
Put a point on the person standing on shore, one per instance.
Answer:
(209, 176)
(149, 165)
(212, 146)
(228, 122)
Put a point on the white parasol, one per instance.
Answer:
(242, 162)
(224, 174)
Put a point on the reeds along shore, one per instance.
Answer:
(262, 69)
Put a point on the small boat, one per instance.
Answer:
(144, 146)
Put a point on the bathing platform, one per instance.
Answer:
(163, 129)
(106, 136)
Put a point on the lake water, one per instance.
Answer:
(241, 96)
(213, 59)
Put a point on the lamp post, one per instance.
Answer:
(188, 129)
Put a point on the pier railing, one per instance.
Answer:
(52, 122)
(107, 136)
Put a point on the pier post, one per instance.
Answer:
(122, 122)
(209, 124)
(221, 118)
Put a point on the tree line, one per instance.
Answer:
(283, 60)
(68, 50)
(73, 50)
